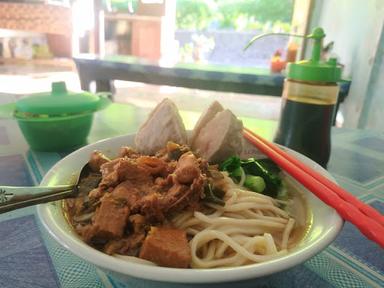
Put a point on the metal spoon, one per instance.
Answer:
(12, 198)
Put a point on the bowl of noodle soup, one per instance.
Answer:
(233, 225)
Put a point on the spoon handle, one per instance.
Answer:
(12, 198)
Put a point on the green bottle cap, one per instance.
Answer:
(314, 69)
(60, 102)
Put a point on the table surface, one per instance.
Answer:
(30, 257)
(193, 67)
(214, 77)
(103, 69)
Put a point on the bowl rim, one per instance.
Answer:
(179, 275)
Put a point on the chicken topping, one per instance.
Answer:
(137, 192)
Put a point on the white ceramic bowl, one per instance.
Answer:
(326, 224)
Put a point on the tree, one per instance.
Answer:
(194, 14)
(199, 14)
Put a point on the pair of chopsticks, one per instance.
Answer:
(369, 221)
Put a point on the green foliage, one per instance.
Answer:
(230, 14)
(194, 14)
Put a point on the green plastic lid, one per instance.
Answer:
(314, 69)
(60, 102)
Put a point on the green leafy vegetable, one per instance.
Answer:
(268, 171)
(233, 166)
(269, 165)
(255, 183)
(264, 168)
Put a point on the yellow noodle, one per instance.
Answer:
(207, 235)
(240, 230)
(251, 214)
(287, 232)
(242, 222)
(249, 228)
(271, 247)
(250, 199)
(243, 206)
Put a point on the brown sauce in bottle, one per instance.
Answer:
(306, 121)
(305, 128)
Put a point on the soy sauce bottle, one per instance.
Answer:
(308, 104)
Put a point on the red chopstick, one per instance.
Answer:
(365, 218)
(366, 209)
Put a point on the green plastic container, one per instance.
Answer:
(59, 120)
(60, 134)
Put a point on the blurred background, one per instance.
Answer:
(39, 38)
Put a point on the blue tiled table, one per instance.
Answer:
(29, 257)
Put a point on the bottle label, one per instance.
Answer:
(311, 94)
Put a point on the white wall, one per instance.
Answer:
(372, 114)
(356, 27)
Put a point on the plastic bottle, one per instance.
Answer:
(291, 52)
(277, 63)
(308, 105)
